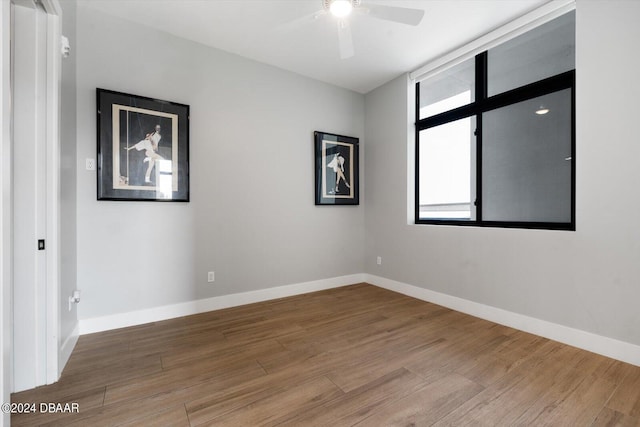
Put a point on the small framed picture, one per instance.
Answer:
(143, 148)
(336, 165)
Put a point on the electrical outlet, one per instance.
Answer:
(379, 260)
(90, 164)
(211, 276)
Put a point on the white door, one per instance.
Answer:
(35, 151)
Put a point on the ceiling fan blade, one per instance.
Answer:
(403, 15)
(300, 22)
(345, 40)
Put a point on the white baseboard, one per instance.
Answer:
(67, 347)
(599, 344)
(139, 317)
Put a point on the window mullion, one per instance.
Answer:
(417, 154)
(481, 96)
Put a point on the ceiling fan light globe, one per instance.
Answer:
(340, 8)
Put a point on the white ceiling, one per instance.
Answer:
(283, 33)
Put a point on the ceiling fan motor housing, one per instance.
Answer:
(327, 3)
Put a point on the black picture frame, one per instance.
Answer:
(337, 169)
(142, 148)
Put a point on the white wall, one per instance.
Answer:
(252, 217)
(588, 279)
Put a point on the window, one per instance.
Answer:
(495, 135)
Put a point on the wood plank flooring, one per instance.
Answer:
(352, 356)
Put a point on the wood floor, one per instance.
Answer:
(352, 356)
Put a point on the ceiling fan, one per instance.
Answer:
(342, 9)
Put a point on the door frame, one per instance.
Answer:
(6, 209)
(54, 83)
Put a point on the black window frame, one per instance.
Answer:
(477, 108)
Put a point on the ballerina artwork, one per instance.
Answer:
(336, 167)
(143, 148)
(150, 146)
(337, 164)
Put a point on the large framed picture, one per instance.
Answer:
(143, 148)
(336, 167)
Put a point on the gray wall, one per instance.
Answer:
(68, 205)
(252, 217)
(587, 279)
